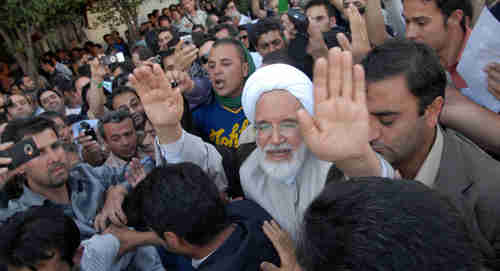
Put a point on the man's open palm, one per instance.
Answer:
(339, 129)
(163, 104)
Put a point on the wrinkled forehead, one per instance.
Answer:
(276, 105)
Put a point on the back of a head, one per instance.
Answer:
(182, 199)
(381, 224)
(233, 32)
(419, 64)
(17, 129)
(35, 235)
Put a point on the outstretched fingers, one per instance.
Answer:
(334, 72)
(346, 75)
(320, 81)
(359, 93)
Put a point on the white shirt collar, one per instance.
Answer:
(429, 170)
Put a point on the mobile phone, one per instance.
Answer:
(188, 39)
(116, 58)
(21, 152)
(87, 130)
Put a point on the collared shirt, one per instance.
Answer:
(115, 161)
(188, 20)
(457, 79)
(429, 169)
(87, 187)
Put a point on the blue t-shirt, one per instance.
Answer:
(219, 124)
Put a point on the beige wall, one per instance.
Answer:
(95, 34)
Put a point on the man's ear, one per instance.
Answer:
(455, 18)
(433, 111)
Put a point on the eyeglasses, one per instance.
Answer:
(244, 37)
(204, 59)
(286, 128)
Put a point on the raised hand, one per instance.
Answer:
(163, 104)
(339, 129)
(136, 173)
(284, 246)
(360, 45)
(184, 81)
(184, 55)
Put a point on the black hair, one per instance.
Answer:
(84, 70)
(264, 26)
(182, 199)
(447, 7)
(163, 18)
(225, 20)
(62, 84)
(18, 128)
(43, 90)
(426, 78)
(224, 5)
(143, 52)
(120, 81)
(234, 43)
(279, 57)
(374, 223)
(117, 92)
(105, 36)
(32, 236)
(332, 11)
(53, 115)
(199, 26)
(233, 32)
(126, 66)
(112, 117)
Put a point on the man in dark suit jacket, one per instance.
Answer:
(183, 207)
(405, 96)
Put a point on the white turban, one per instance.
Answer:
(277, 77)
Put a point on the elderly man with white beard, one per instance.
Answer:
(301, 136)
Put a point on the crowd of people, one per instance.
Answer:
(257, 135)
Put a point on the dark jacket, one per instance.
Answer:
(247, 247)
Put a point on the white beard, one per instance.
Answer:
(284, 171)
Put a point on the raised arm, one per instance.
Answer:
(257, 11)
(164, 106)
(339, 130)
(472, 120)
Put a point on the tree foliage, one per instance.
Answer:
(114, 13)
(21, 19)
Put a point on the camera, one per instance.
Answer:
(300, 21)
(116, 58)
(21, 152)
(87, 130)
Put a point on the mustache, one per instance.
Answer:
(280, 147)
(55, 165)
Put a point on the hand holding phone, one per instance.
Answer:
(20, 153)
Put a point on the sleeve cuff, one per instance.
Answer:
(171, 152)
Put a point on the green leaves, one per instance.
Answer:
(115, 13)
